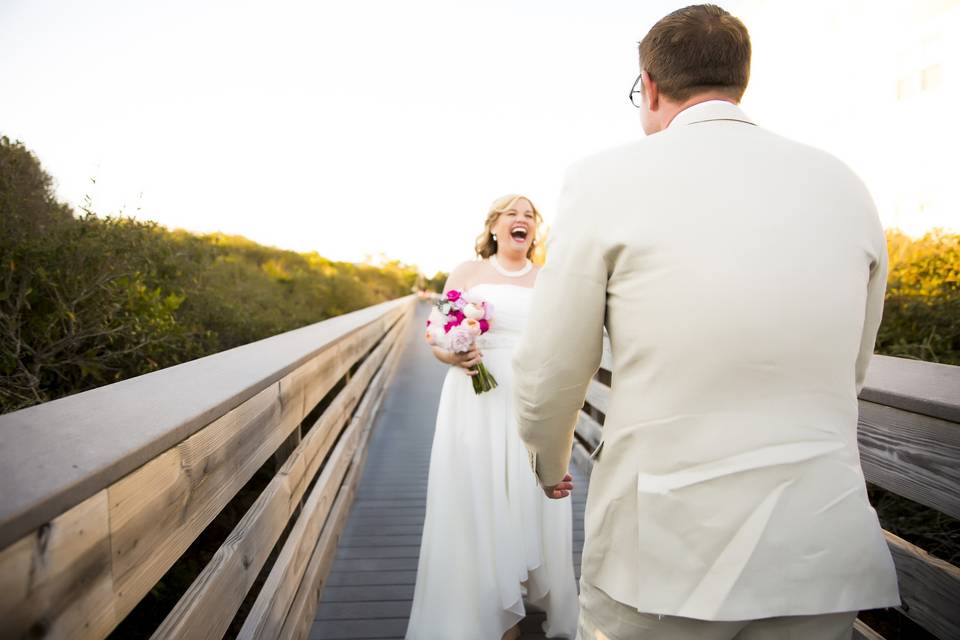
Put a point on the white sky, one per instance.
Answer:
(362, 127)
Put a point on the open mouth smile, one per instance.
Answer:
(519, 234)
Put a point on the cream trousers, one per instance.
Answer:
(603, 618)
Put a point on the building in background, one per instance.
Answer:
(925, 119)
(875, 83)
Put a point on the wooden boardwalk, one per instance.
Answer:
(369, 591)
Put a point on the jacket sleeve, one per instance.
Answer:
(876, 289)
(561, 349)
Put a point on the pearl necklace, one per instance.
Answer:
(511, 274)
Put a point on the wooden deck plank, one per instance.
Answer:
(364, 610)
(346, 579)
(369, 590)
(368, 593)
(358, 629)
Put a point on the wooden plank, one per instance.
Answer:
(589, 431)
(926, 388)
(361, 529)
(863, 632)
(363, 593)
(56, 583)
(341, 579)
(300, 616)
(929, 588)
(389, 551)
(363, 610)
(207, 608)
(55, 455)
(581, 458)
(914, 456)
(266, 619)
(378, 564)
(285, 450)
(598, 396)
(352, 629)
(606, 360)
(157, 511)
(267, 614)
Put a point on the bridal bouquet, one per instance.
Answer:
(455, 324)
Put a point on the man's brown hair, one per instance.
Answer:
(695, 49)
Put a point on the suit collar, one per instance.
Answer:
(708, 111)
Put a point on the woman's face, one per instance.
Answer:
(515, 228)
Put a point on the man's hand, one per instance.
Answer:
(560, 490)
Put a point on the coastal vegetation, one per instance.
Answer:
(87, 300)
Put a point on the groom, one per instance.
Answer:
(740, 276)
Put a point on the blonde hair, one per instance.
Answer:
(486, 245)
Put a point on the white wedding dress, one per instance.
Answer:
(488, 527)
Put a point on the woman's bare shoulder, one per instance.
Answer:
(464, 274)
(466, 268)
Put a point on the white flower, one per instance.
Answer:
(437, 318)
(460, 340)
(473, 311)
(435, 335)
(473, 298)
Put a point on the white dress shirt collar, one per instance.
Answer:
(710, 110)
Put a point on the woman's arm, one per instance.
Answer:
(457, 279)
(466, 360)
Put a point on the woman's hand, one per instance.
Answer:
(560, 490)
(466, 361)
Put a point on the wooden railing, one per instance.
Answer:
(909, 444)
(102, 492)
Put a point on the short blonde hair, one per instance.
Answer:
(486, 245)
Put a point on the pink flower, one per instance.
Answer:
(458, 316)
(484, 325)
(460, 340)
(487, 310)
(472, 326)
(450, 325)
(453, 295)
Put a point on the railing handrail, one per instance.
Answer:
(56, 454)
(927, 388)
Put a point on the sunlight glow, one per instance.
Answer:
(358, 129)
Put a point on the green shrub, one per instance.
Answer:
(86, 301)
(921, 318)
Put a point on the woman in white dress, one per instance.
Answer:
(491, 537)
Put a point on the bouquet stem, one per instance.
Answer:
(483, 381)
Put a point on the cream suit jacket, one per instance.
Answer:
(740, 277)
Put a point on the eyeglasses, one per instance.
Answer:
(636, 95)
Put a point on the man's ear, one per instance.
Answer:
(651, 93)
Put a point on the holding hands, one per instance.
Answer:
(560, 490)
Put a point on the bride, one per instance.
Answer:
(491, 537)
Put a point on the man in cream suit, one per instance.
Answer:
(740, 276)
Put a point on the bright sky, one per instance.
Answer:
(359, 128)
